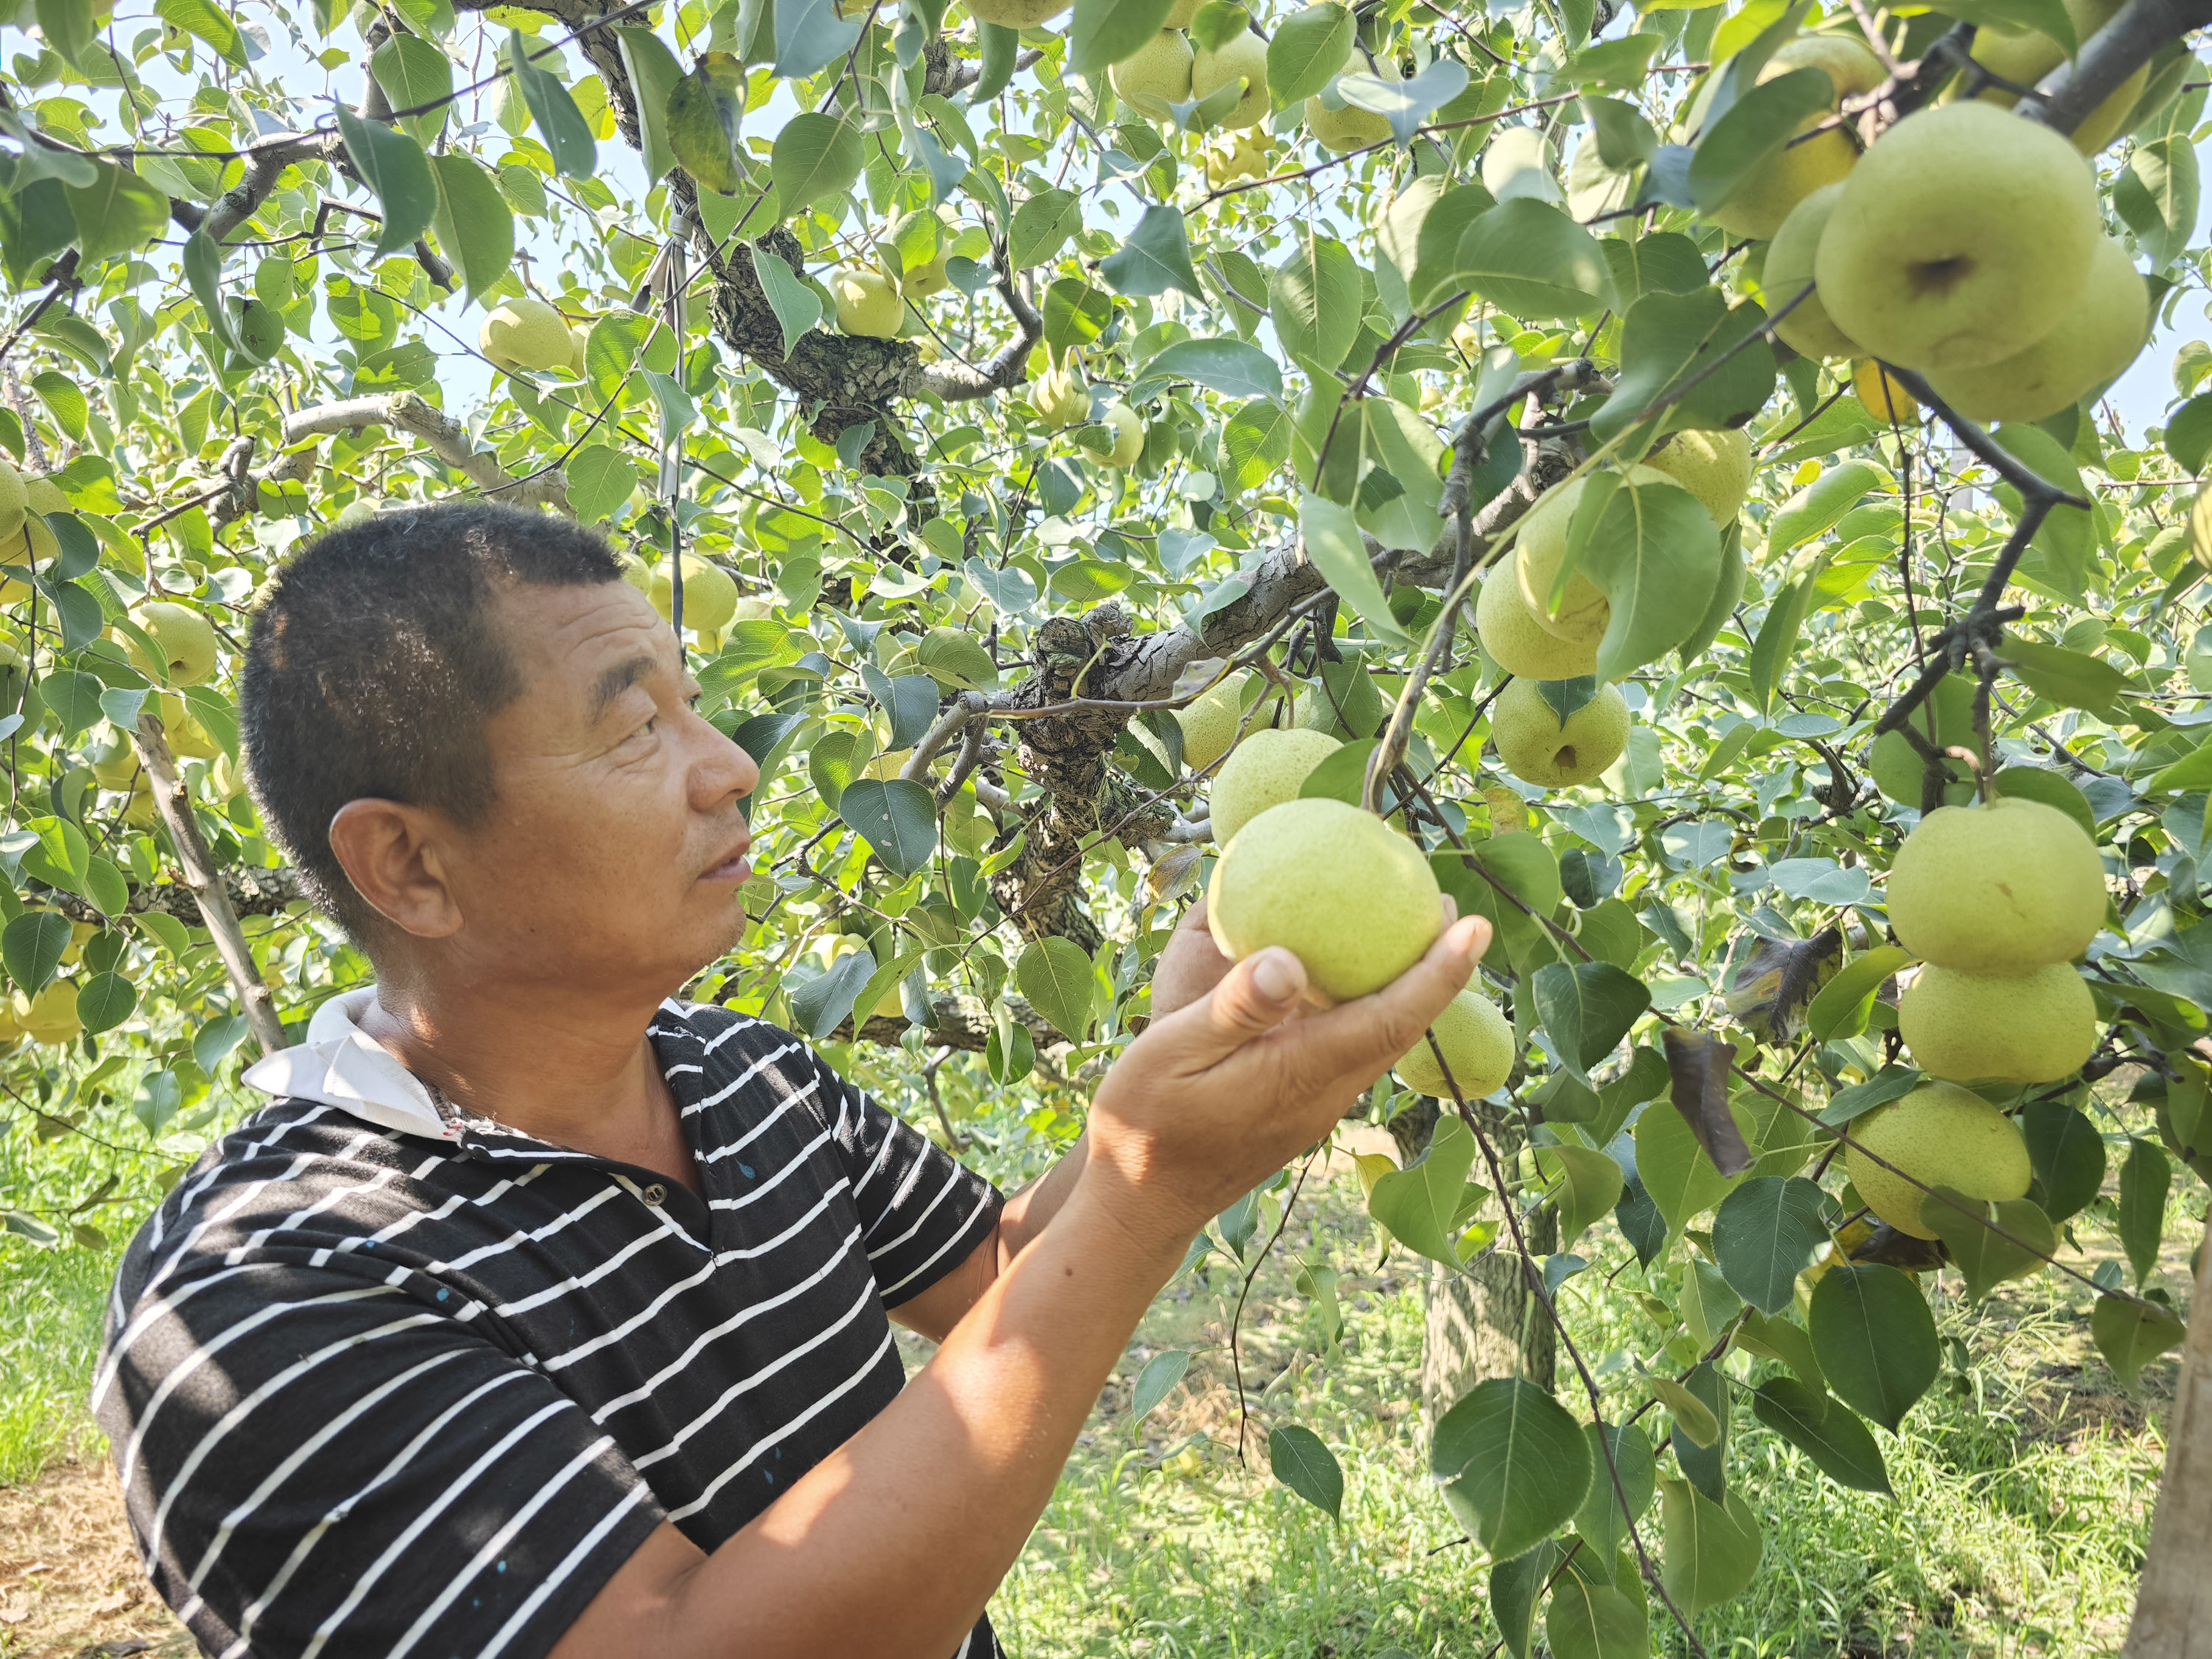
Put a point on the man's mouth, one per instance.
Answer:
(731, 867)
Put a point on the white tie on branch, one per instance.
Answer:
(446, 438)
(175, 802)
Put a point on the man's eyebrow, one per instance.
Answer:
(615, 681)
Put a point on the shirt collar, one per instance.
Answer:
(340, 1065)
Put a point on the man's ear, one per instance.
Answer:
(389, 852)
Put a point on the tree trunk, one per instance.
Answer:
(1483, 1323)
(2174, 1608)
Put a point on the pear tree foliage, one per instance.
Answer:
(1008, 449)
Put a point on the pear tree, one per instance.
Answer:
(1649, 476)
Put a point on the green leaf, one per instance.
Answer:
(1314, 300)
(1404, 104)
(414, 72)
(208, 22)
(1842, 1007)
(1875, 1340)
(1590, 1185)
(2064, 544)
(797, 308)
(2144, 1181)
(212, 1041)
(1819, 506)
(476, 227)
(1654, 553)
(2132, 1334)
(1333, 543)
(1157, 1382)
(1104, 31)
(65, 400)
(2068, 1155)
(560, 122)
(1751, 136)
(2046, 17)
(393, 165)
(1587, 1008)
(600, 479)
(1155, 257)
(1513, 1463)
(159, 1098)
(1692, 1417)
(1419, 1204)
(1042, 225)
(1075, 313)
(2188, 433)
(1784, 1339)
(1586, 1620)
(816, 156)
(810, 35)
(1765, 1233)
(2072, 679)
(1054, 973)
(896, 817)
(655, 75)
(705, 109)
(32, 946)
(103, 1001)
(105, 887)
(1530, 259)
(1674, 1169)
(1825, 1429)
(1601, 1519)
(1309, 48)
(2157, 194)
(1231, 367)
(1297, 1458)
(117, 213)
(1778, 635)
(69, 27)
(819, 1006)
(1712, 1549)
(1987, 1259)
(2040, 783)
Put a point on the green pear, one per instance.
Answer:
(1209, 725)
(1517, 642)
(15, 500)
(1765, 199)
(186, 638)
(1350, 127)
(1128, 435)
(1267, 768)
(1962, 238)
(1015, 14)
(525, 333)
(1062, 397)
(2003, 889)
(1154, 76)
(1246, 55)
(1941, 1135)
(1713, 466)
(710, 594)
(2033, 1028)
(2024, 56)
(868, 302)
(1180, 13)
(1806, 328)
(1541, 548)
(2101, 335)
(1478, 1047)
(1349, 897)
(1537, 746)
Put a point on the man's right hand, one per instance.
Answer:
(1215, 1097)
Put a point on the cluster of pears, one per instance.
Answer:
(1996, 901)
(528, 333)
(876, 299)
(1967, 245)
(1350, 897)
(711, 600)
(1533, 641)
(25, 536)
(50, 1017)
(1168, 70)
(1062, 399)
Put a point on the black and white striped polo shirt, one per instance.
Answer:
(383, 1381)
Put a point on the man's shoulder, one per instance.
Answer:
(724, 1041)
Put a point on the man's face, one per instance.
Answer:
(614, 849)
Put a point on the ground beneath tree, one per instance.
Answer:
(70, 1583)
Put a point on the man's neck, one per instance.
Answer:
(569, 1071)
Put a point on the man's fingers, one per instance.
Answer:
(1367, 1035)
(1252, 998)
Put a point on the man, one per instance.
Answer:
(540, 1314)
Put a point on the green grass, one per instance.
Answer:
(51, 1311)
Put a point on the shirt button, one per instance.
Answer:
(656, 1194)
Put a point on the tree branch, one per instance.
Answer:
(265, 162)
(446, 438)
(2065, 97)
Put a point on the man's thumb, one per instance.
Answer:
(1256, 996)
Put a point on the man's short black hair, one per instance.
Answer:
(376, 661)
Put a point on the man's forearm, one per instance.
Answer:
(893, 1546)
(1030, 1210)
